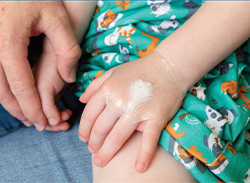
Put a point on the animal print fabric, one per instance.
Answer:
(210, 134)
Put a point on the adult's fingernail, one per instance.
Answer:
(97, 162)
(53, 121)
(39, 127)
(72, 75)
(140, 166)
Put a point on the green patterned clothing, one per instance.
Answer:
(210, 134)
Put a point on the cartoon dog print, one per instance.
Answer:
(123, 49)
(125, 58)
(230, 87)
(164, 27)
(215, 121)
(94, 46)
(127, 31)
(159, 7)
(192, 7)
(124, 4)
(228, 114)
(224, 67)
(242, 95)
(172, 130)
(198, 91)
(107, 20)
(98, 74)
(98, 5)
(151, 46)
(213, 142)
(247, 177)
(208, 81)
(185, 157)
(108, 57)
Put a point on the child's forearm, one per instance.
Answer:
(210, 35)
(80, 14)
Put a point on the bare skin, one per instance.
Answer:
(18, 22)
(163, 168)
(48, 81)
(207, 44)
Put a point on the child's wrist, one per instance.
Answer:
(174, 72)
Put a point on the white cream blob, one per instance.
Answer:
(140, 93)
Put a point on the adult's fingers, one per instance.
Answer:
(22, 85)
(8, 100)
(61, 36)
(150, 139)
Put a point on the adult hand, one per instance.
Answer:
(18, 22)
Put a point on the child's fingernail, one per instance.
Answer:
(26, 123)
(39, 127)
(83, 139)
(140, 166)
(91, 150)
(97, 162)
(53, 121)
(72, 75)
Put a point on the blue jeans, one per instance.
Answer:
(27, 155)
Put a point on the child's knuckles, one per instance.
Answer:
(94, 146)
(151, 138)
(108, 85)
(99, 129)
(116, 138)
(83, 131)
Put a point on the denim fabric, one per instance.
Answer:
(7, 122)
(27, 155)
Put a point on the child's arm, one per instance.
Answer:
(216, 30)
(48, 81)
(80, 14)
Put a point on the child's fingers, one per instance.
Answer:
(94, 86)
(101, 128)
(150, 139)
(63, 126)
(65, 115)
(49, 107)
(90, 113)
(114, 141)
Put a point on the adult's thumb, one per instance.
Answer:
(64, 44)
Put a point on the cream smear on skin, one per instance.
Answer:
(140, 93)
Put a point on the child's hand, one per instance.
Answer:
(49, 85)
(147, 91)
